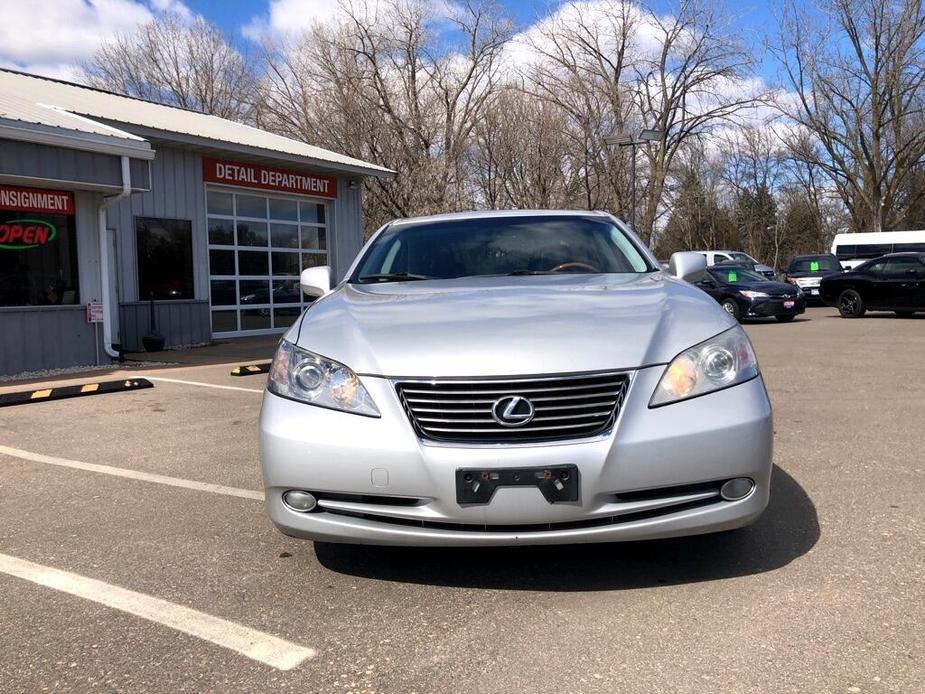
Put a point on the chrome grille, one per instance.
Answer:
(565, 407)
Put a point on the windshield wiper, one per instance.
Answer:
(394, 277)
(517, 273)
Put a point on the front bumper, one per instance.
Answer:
(649, 477)
(774, 306)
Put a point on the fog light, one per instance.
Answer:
(736, 489)
(299, 501)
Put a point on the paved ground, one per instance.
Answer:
(826, 593)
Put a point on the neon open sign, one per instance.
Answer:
(22, 234)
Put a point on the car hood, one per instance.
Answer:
(770, 288)
(492, 326)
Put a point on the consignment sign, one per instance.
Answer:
(249, 175)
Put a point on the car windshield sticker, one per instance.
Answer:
(814, 266)
(732, 276)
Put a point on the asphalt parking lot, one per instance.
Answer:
(826, 593)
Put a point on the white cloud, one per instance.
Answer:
(50, 37)
(290, 16)
(286, 18)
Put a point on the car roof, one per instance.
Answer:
(813, 255)
(901, 254)
(494, 214)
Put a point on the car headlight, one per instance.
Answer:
(301, 375)
(722, 361)
(753, 295)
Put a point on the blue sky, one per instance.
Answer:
(52, 36)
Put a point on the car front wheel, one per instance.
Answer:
(731, 307)
(850, 304)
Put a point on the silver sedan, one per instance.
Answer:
(505, 378)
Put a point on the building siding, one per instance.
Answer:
(183, 323)
(177, 193)
(31, 160)
(40, 338)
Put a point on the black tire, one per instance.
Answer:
(785, 319)
(850, 304)
(732, 308)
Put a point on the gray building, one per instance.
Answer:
(108, 202)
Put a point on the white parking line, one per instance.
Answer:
(204, 385)
(267, 649)
(132, 474)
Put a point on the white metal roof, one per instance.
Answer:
(201, 128)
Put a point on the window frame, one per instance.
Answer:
(271, 277)
(142, 296)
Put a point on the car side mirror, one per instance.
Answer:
(687, 266)
(316, 281)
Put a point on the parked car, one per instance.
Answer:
(744, 293)
(501, 378)
(807, 271)
(738, 258)
(895, 282)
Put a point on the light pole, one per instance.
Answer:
(623, 140)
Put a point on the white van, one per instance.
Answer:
(854, 249)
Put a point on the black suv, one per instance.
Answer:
(807, 271)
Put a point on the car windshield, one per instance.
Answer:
(516, 245)
(730, 275)
(742, 257)
(821, 263)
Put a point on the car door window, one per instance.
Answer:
(876, 268)
(898, 268)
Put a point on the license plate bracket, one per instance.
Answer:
(557, 483)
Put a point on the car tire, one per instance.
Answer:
(732, 308)
(850, 304)
(785, 319)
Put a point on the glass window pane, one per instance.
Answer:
(255, 319)
(314, 260)
(220, 203)
(312, 212)
(165, 258)
(284, 209)
(223, 293)
(286, 292)
(38, 261)
(253, 263)
(255, 291)
(286, 316)
(252, 233)
(221, 263)
(251, 206)
(221, 232)
(284, 235)
(314, 238)
(286, 264)
(224, 321)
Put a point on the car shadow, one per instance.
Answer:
(787, 530)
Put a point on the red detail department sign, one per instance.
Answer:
(36, 200)
(238, 173)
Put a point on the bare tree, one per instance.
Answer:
(858, 75)
(613, 66)
(382, 84)
(522, 156)
(180, 62)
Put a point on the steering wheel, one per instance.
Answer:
(574, 265)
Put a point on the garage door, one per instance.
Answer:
(258, 245)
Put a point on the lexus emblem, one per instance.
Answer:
(512, 411)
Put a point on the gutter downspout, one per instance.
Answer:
(104, 256)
